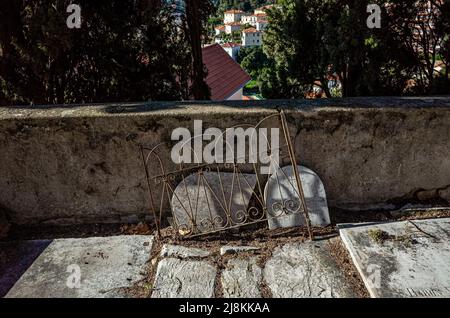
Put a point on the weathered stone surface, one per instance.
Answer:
(99, 176)
(237, 249)
(305, 270)
(106, 266)
(241, 279)
(210, 208)
(4, 225)
(184, 279)
(182, 251)
(281, 190)
(445, 194)
(399, 260)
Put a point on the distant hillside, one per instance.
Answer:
(244, 5)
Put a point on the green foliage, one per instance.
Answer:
(256, 63)
(310, 40)
(123, 52)
(244, 5)
(253, 60)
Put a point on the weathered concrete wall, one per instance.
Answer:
(82, 164)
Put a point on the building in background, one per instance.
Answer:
(232, 49)
(251, 37)
(263, 10)
(232, 27)
(219, 29)
(231, 16)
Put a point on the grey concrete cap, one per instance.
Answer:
(182, 251)
(241, 279)
(106, 266)
(184, 279)
(305, 270)
(405, 261)
(281, 192)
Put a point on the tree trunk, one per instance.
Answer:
(200, 89)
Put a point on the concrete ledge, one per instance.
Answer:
(74, 164)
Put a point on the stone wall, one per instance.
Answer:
(79, 164)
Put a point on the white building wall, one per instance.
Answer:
(231, 28)
(232, 51)
(239, 95)
(232, 17)
(252, 39)
(261, 25)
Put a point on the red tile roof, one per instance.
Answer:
(225, 76)
(250, 30)
(230, 44)
(233, 11)
(233, 23)
(220, 27)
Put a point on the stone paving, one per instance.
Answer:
(99, 267)
(305, 270)
(413, 258)
(107, 267)
(294, 270)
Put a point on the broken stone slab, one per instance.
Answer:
(99, 267)
(241, 279)
(183, 252)
(305, 270)
(283, 203)
(237, 249)
(207, 200)
(401, 259)
(184, 279)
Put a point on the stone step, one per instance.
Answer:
(401, 259)
(112, 266)
(295, 270)
(85, 268)
(305, 270)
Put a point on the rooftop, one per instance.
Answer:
(230, 45)
(225, 76)
(233, 23)
(250, 30)
(234, 11)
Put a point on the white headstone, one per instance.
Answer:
(283, 204)
(211, 201)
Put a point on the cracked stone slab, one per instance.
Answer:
(284, 205)
(184, 279)
(305, 270)
(401, 259)
(183, 252)
(242, 279)
(86, 268)
(237, 249)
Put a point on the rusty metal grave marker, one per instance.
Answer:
(207, 198)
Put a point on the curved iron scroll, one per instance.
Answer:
(234, 204)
